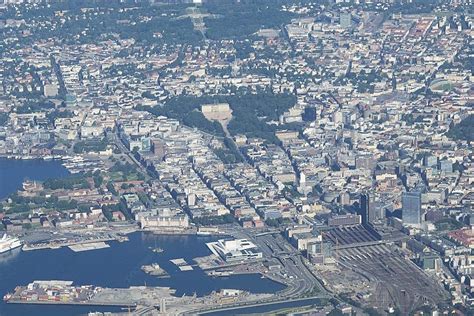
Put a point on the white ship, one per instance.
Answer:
(9, 243)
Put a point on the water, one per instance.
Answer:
(117, 266)
(13, 172)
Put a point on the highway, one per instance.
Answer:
(300, 281)
(310, 300)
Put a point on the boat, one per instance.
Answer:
(157, 250)
(9, 243)
(7, 297)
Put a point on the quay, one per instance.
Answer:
(73, 244)
(59, 292)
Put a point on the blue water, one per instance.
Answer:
(14, 172)
(117, 266)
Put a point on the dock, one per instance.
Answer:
(88, 246)
(65, 293)
(182, 264)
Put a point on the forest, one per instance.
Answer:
(237, 20)
(464, 130)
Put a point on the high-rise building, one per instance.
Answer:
(370, 209)
(411, 208)
(364, 207)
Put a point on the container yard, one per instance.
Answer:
(52, 292)
(64, 292)
(58, 292)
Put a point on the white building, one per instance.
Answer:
(235, 250)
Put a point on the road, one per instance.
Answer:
(118, 142)
(262, 304)
(294, 271)
(300, 281)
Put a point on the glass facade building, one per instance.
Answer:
(411, 208)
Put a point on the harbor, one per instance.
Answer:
(94, 268)
(74, 240)
(163, 299)
(58, 292)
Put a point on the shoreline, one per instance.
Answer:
(92, 304)
(27, 157)
(67, 244)
(128, 231)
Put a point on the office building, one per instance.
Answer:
(319, 252)
(364, 207)
(411, 208)
(371, 210)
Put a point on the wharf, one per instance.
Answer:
(63, 293)
(57, 245)
(88, 246)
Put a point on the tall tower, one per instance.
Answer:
(411, 208)
(364, 210)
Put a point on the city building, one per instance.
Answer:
(411, 208)
(345, 20)
(235, 250)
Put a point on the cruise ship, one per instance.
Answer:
(9, 243)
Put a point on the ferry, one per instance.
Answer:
(9, 243)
